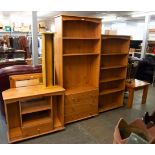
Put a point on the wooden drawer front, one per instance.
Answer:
(35, 130)
(81, 105)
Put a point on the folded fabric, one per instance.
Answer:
(135, 139)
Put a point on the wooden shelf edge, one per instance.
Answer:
(111, 67)
(110, 108)
(81, 54)
(114, 79)
(35, 110)
(37, 122)
(80, 90)
(87, 117)
(111, 91)
(82, 38)
(106, 54)
(21, 139)
(115, 37)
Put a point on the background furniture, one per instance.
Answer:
(77, 59)
(113, 69)
(146, 69)
(12, 53)
(136, 85)
(14, 70)
(12, 63)
(154, 78)
(32, 111)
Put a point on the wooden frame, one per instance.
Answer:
(25, 80)
(48, 59)
(77, 61)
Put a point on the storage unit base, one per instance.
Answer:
(31, 113)
(21, 138)
(81, 105)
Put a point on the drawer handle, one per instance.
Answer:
(38, 130)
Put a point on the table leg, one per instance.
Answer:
(130, 97)
(144, 97)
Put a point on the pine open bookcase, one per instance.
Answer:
(77, 61)
(113, 68)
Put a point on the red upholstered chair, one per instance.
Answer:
(14, 70)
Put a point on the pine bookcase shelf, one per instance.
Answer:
(114, 53)
(113, 100)
(116, 37)
(112, 79)
(81, 38)
(110, 91)
(80, 89)
(106, 108)
(36, 121)
(113, 69)
(81, 54)
(34, 106)
(77, 61)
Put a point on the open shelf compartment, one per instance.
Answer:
(35, 105)
(115, 45)
(80, 72)
(81, 47)
(112, 74)
(111, 87)
(111, 101)
(36, 118)
(72, 28)
(113, 60)
(14, 121)
(58, 112)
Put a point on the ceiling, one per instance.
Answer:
(98, 14)
(49, 15)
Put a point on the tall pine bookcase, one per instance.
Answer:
(113, 69)
(77, 64)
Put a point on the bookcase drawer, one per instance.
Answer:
(81, 105)
(35, 130)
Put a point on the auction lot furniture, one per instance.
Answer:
(32, 111)
(113, 69)
(77, 61)
(136, 85)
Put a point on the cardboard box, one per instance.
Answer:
(110, 32)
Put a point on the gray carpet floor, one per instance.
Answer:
(95, 130)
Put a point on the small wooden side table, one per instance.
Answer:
(136, 85)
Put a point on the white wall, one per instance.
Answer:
(133, 29)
